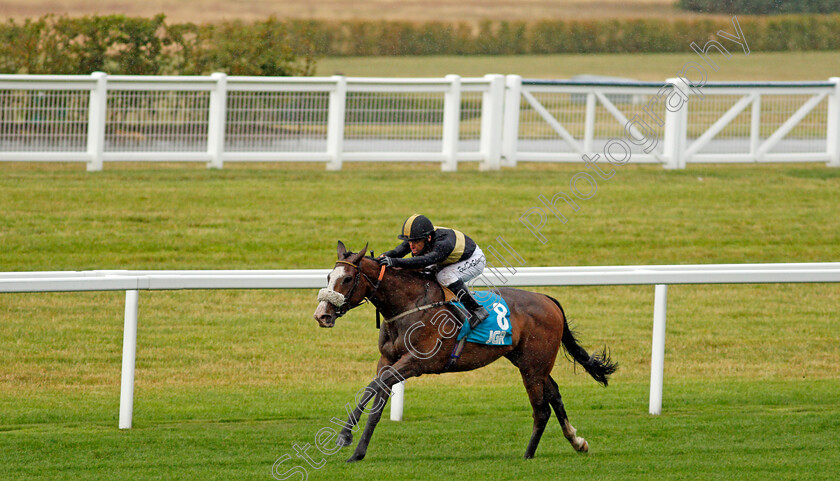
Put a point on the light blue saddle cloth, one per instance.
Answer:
(496, 329)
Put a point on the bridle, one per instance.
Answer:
(342, 308)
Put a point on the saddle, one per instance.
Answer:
(431, 276)
(449, 298)
(448, 295)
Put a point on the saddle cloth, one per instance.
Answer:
(496, 329)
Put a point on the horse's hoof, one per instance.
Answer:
(343, 440)
(355, 458)
(582, 447)
(529, 456)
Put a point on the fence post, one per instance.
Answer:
(216, 121)
(397, 399)
(833, 127)
(335, 122)
(510, 130)
(451, 123)
(589, 124)
(129, 354)
(675, 130)
(755, 127)
(657, 356)
(492, 118)
(96, 121)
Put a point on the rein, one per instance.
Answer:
(340, 312)
(456, 353)
(359, 272)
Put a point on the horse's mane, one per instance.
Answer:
(417, 274)
(409, 274)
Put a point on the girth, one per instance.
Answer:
(459, 346)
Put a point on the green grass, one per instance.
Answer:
(758, 66)
(228, 381)
(289, 216)
(736, 430)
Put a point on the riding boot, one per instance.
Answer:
(477, 312)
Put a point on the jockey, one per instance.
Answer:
(458, 258)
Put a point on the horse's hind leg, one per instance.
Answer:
(541, 408)
(552, 393)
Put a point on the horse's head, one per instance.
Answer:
(346, 287)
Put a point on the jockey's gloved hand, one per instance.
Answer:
(386, 261)
(432, 269)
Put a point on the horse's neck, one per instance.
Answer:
(401, 290)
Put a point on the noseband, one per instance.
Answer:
(339, 301)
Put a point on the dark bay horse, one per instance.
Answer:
(415, 342)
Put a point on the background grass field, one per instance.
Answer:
(757, 66)
(228, 381)
(199, 11)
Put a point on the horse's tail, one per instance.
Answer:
(598, 365)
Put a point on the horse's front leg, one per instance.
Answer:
(373, 419)
(389, 357)
(388, 376)
(345, 437)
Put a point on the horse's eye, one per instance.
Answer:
(346, 280)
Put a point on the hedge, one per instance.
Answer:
(775, 33)
(761, 7)
(149, 46)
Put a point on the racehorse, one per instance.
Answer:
(417, 337)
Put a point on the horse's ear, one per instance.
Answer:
(358, 256)
(341, 249)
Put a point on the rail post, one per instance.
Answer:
(492, 110)
(676, 126)
(833, 125)
(96, 121)
(589, 124)
(510, 131)
(397, 399)
(451, 123)
(657, 357)
(335, 122)
(129, 355)
(216, 121)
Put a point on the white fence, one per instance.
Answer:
(495, 120)
(661, 276)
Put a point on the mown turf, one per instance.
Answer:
(228, 381)
(757, 66)
(287, 216)
(711, 430)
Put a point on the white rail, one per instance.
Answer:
(661, 276)
(495, 120)
(672, 123)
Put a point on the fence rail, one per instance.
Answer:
(660, 276)
(495, 120)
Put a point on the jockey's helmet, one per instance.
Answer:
(416, 227)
